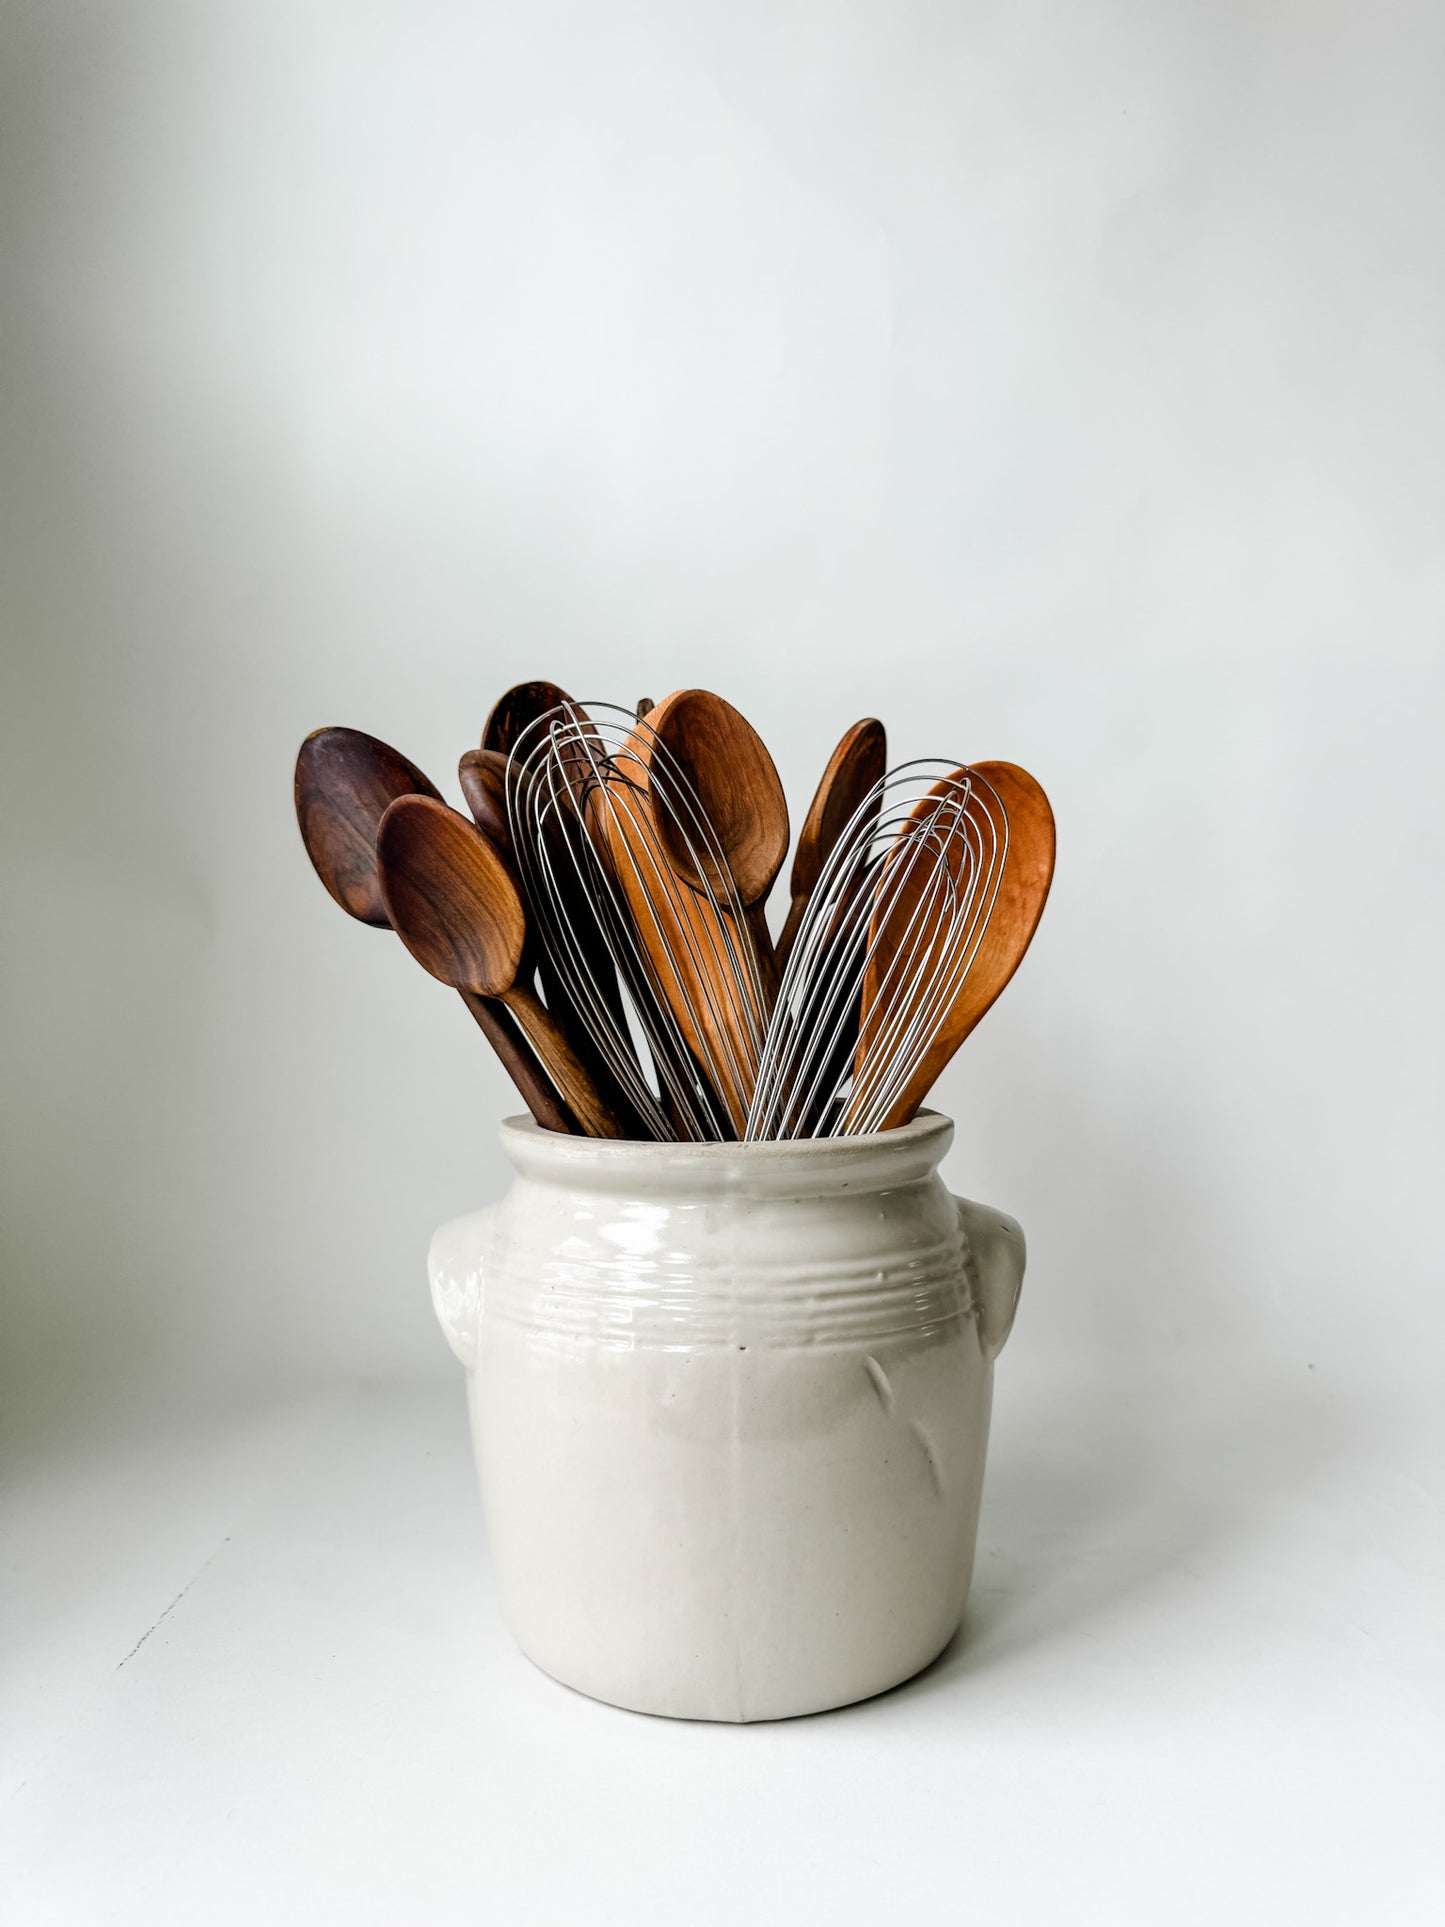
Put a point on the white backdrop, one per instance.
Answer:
(1060, 382)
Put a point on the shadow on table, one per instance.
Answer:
(1167, 1432)
(1100, 1496)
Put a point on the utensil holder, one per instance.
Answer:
(730, 1406)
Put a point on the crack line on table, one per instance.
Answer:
(161, 1619)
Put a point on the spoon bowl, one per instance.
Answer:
(717, 751)
(518, 707)
(345, 783)
(454, 903)
(482, 774)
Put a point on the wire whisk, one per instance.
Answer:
(650, 945)
(890, 935)
(637, 908)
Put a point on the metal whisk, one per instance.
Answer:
(890, 935)
(636, 906)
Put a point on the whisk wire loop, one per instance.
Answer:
(891, 931)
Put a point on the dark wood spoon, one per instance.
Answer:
(520, 705)
(482, 774)
(853, 770)
(345, 782)
(453, 901)
(525, 703)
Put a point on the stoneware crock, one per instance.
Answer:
(730, 1405)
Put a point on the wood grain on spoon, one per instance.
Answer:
(345, 782)
(454, 903)
(1018, 812)
(516, 709)
(854, 769)
(727, 763)
(482, 774)
(703, 961)
(514, 713)
(697, 957)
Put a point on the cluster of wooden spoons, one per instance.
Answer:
(683, 829)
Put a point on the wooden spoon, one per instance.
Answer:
(345, 782)
(727, 762)
(1019, 811)
(454, 903)
(525, 703)
(853, 769)
(483, 777)
(699, 955)
(522, 704)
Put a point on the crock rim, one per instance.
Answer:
(523, 1133)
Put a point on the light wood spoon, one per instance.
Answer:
(853, 769)
(699, 955)
(1017, 810)
(727, 762)
(454, 903)
(345, 782)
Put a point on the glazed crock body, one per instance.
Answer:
(730, 1406)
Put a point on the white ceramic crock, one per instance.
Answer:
(730, 1406)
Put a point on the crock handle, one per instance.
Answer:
(993, 1251)
(456, 1264)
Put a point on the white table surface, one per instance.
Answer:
(255, 1670)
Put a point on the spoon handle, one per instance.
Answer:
(520, 1065)
(757, 917)
(561, 1063)
(788, 935)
